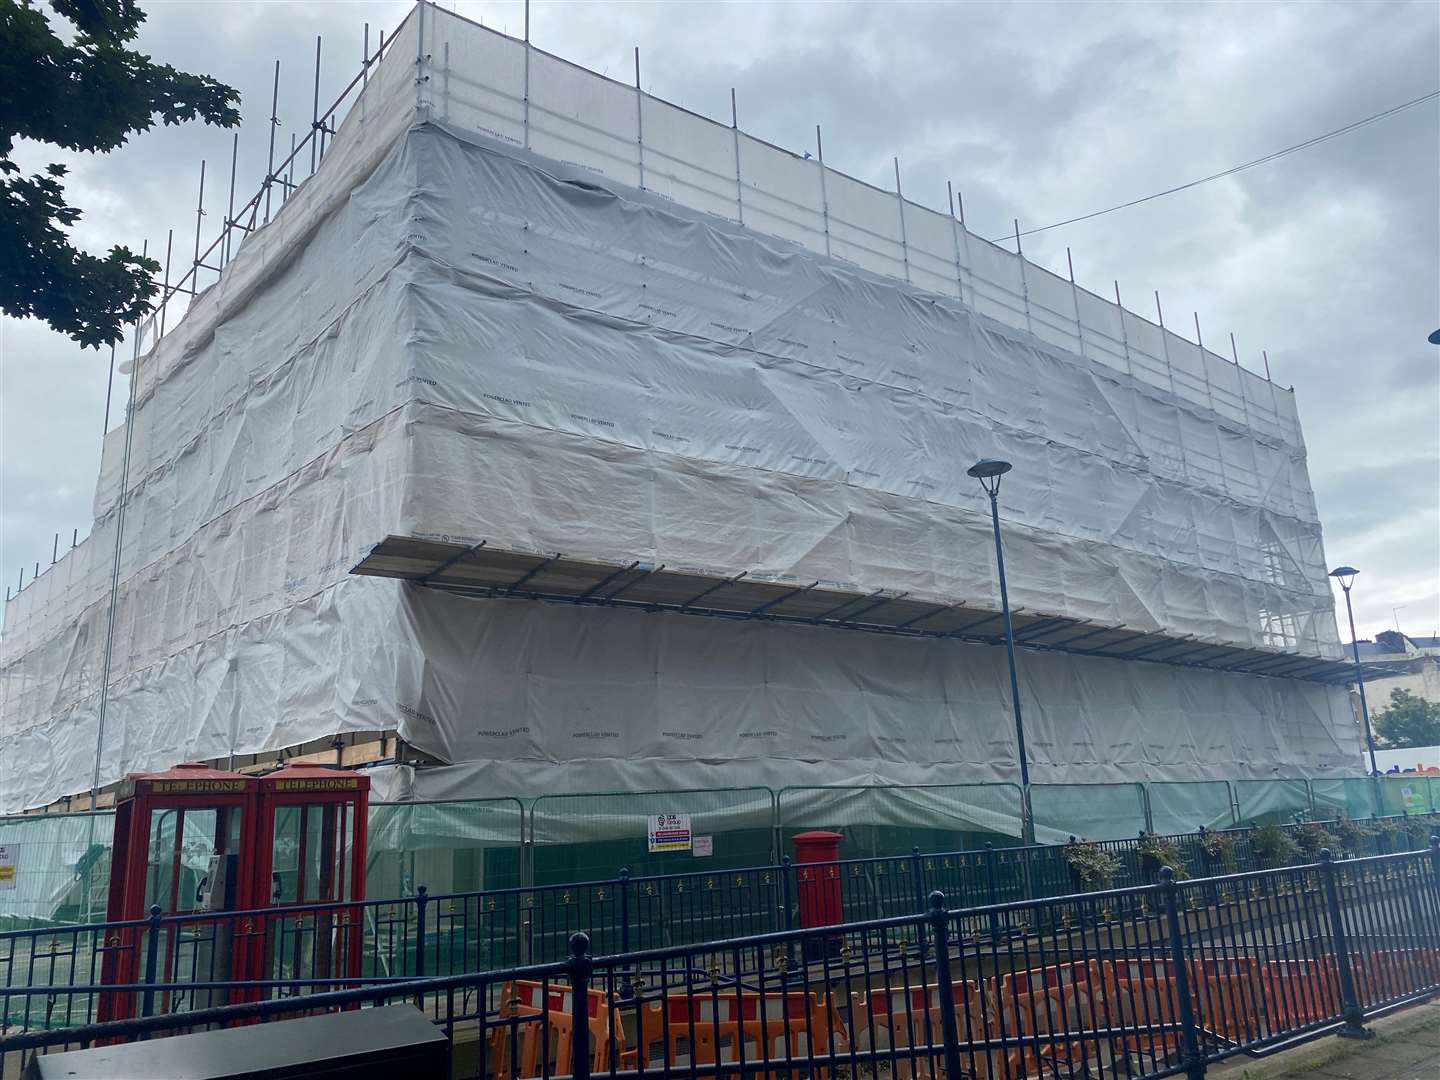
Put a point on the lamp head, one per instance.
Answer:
(989, 471)
(1345, 575)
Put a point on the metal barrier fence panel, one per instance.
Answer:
(1405, 794)
(669, 867)
(1146, 982)
(591, 836)
(1090, 811)
(1184, 806)
(1266, 802)
(1354, 797)
(61, 868)
(881, 821)
(450, 847)
(63, 859)
(1364, 796)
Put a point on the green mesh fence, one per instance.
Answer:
(62, 869)
(590, 837)
(1405, 794)
(1181, 807)
(1089, 811)
(1350, 796)
(63, 860)
(1267, 802)
(879, 821)
(1364, 796)
(461, 846)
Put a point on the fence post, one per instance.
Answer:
(785, 913)
(1435, 864)
(580, 966)
(152, 946)
(1349, 1005)
(990, 890)
(1189, 1040)
(627, 988)
(939, 921)
(623, 884)
(917, 868)
(422, 900)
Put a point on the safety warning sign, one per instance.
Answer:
(669, 832)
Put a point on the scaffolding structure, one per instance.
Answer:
(522, 316)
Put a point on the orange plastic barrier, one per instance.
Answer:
(1137, 993)
(1392, 973)
(540, 1040)
(907, 1019)
(1301, 992)
(1043, 1005)
(772, 1027)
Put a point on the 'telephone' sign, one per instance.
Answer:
(195, 787)
(318, 784)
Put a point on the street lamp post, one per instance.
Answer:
(1345, 575)
(989, 472)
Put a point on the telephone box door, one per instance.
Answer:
(179, 839)
(311, 864)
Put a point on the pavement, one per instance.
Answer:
(1406, 1046)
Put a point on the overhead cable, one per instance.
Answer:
(1235, 169)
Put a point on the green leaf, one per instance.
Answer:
(81, 91)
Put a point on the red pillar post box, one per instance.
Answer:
(817, 878)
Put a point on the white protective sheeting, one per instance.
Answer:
(445, 335)
(601, 692)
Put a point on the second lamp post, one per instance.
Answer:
(1345, 575)
(989, 472)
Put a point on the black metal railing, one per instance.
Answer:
(289, 951)
(1152, 980)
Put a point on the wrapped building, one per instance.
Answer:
(593, 445)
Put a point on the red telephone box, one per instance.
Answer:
(310, 859)
(179, 840)
(197, 842)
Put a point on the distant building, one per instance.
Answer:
(1395, 661)
(1424, 759)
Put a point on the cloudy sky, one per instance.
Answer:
(1329, 259)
